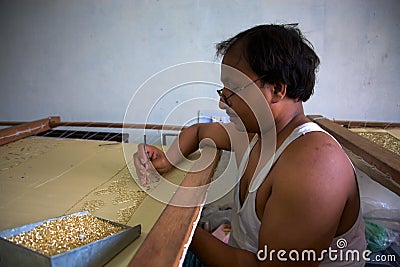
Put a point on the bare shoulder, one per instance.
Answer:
(310, 186)
(318, 156)
(314, 170)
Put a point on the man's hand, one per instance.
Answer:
(150, 158)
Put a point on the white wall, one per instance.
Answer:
(83, 60)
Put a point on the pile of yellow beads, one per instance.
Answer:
(57, 236)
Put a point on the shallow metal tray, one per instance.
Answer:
(94, 254)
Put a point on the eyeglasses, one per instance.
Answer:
(225, 98)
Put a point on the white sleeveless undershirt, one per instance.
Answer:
(246, 225)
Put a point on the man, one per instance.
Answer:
(307, 198)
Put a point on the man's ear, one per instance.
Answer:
(278, 92)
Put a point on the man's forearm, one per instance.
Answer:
(186, 143)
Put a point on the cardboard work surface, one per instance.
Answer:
(42, 178)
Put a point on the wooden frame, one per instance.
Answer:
(53, 122)
(366, 124)
(173, 229)
(379, 163)
(26, 129)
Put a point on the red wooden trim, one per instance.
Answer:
(119, 125)
(58, 123)
(367, 124)
(20, 131)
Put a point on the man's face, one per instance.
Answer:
(245, 103)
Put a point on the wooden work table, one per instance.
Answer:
(42, 178)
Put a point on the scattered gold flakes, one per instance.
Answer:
(122, 194)
(131, 195)
(60, 235)
(385, 140)
(114, 187)
(125, 214)
(15, 153)
(92, 205)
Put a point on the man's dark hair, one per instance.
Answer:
(279, 53)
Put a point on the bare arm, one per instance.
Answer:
(190, 139)
(187, 142)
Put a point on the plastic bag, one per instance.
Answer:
(381, 213)
(214, 215)
(382, 224)
(378, 237)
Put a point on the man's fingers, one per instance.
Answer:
(143, 160)
(141, 151)
(139, 166)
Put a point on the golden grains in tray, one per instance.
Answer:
(385, 140)
(57, 236)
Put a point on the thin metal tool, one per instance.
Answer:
(144, 142)
(147, 158)
(109, 144)
(145, 150)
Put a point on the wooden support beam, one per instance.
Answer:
(11, 123)
(20, 131)
(367, 124)
(58, 123)
(164, 245)
(119, 125)
(386, 162)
